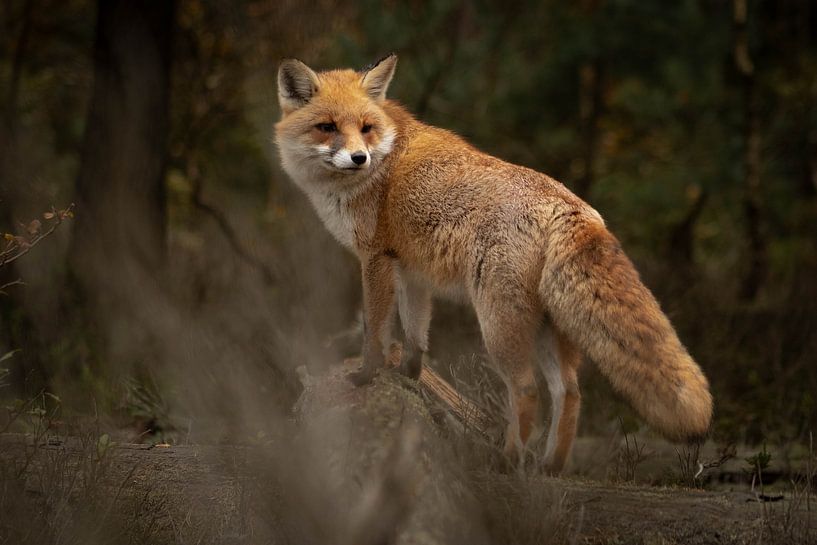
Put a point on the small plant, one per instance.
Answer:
(629, 456)
(36, 416)
(690, 465)
(4, 373)
(785, 522)
(693, 468)
(147, 405)
(64, 491)
(758, 463)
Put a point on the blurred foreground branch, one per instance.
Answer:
(32, 234)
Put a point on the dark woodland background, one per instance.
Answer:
(194, 279)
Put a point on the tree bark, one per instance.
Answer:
(26, 372)
(8, 118)
(590, 105)
(757, 265)
(681, 248)
(121, 217)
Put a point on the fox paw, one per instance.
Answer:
(412, 365)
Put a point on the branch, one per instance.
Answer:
(463, 409)
(18, 282)
(232, 238)
(17, 246)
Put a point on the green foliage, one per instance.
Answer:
(146, 403)
(759, 462)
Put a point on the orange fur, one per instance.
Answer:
(429, 214)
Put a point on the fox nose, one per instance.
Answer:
(359, 157)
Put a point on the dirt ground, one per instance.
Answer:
(370, 465)
(202, 487)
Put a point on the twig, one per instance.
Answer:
(462, 408)
(18, 282)
(725, 454)
(13, 246)
(632, 455)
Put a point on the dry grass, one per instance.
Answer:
(792, 521)
(47, 496)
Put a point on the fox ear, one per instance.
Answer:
(377, 76)
(297, 84)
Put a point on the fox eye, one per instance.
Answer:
(326, 127)
(366, 128)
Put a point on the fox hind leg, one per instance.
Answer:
(414, 305)
(560, 369)
(509, 333)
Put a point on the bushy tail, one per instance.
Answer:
(593, 294)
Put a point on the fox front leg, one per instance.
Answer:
(378, 305)
(414, 304)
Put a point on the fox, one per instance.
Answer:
(428, 215)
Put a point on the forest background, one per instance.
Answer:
(191, 279)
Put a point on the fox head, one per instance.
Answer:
(333, 123)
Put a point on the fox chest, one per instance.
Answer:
(350, 225)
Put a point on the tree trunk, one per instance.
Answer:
(120, 190)
(8, 122)
(590, 107)
(118, 249)
(752, 208)
(15, 327)
(590, 104)
(681, 248)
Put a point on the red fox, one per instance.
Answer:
(428, 214)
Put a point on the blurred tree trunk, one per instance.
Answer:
(118, 248)
(28, 372)
(121, 217)
(752, 199)
(681, 247)
(457, 19)
(590, 105)
(8, 122)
